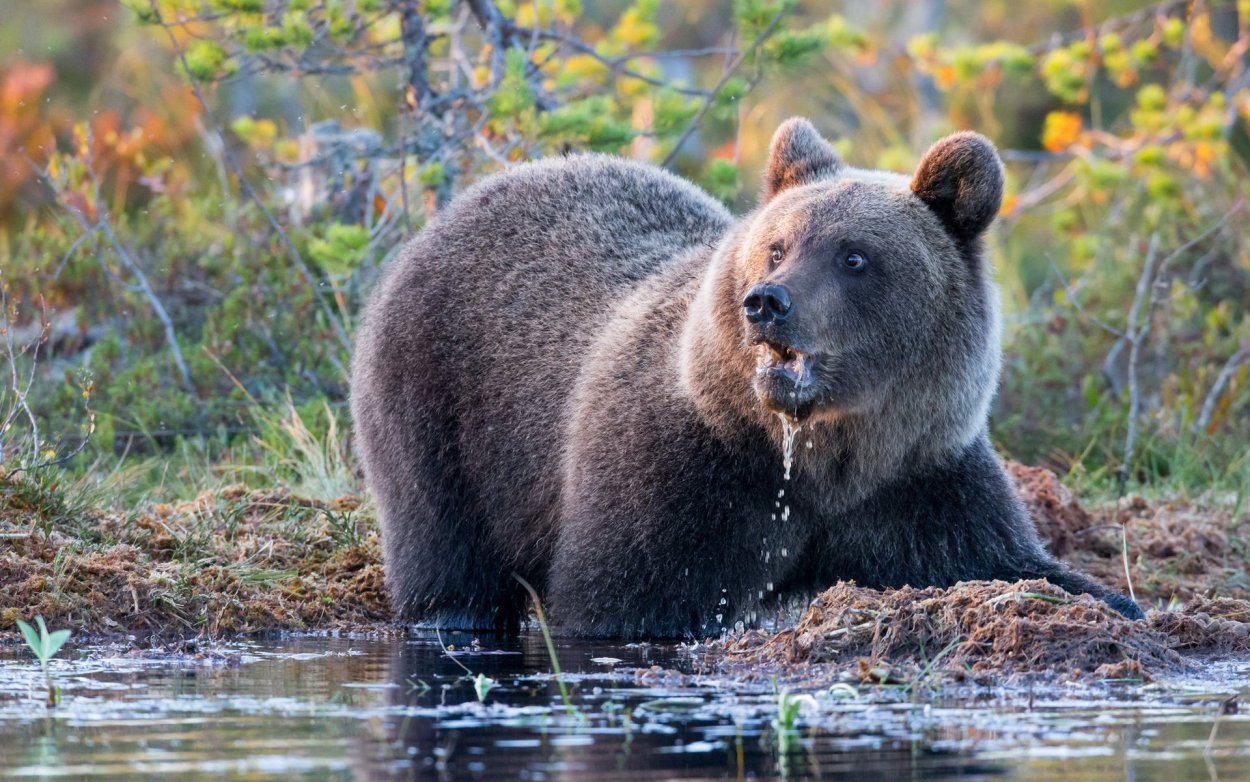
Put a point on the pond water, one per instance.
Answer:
(359, 708)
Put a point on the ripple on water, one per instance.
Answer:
(334, 708)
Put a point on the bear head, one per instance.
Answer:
(850, 292)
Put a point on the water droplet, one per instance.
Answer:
(790, 430)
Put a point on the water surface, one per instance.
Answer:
(358, 708)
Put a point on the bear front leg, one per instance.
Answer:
(671, 573)
(955, 521)
(1078, 583)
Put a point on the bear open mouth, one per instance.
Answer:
(782, 361)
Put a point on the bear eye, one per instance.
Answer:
(855, 261)
(774, 254)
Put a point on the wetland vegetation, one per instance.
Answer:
(196, 196)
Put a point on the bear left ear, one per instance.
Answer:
(796, 156)
(961, 180)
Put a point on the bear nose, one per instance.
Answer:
(767, 303)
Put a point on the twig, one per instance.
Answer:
(1217, 389)
(614, 64)
(249, 191)
(1227, 706)
(1071, 294)
(21, 389)
(105, 226)
(551, 647)
(1134, 336)
(728, 73)
(446, 651)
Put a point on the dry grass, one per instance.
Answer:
(993, 627)
(229, 561)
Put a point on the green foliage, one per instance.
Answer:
(1131, 128)
(482, 685)
(42, 644)
(207, 60)
(514, 94)
(722, 180)
(342, 249)
(590, 123)
(432, 174)
(795, 47)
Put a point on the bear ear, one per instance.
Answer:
(961, 180)
(796, 156)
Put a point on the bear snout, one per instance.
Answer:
(768, 303)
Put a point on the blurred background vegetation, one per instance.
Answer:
(196, 195)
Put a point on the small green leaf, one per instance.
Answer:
(482, 685)
(32, 638)
(54, 642)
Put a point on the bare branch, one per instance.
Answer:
(728, 73)
(1135, 339)
(335, 322)
(126, 256)
(1203, 422)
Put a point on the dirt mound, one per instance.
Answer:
(1178, 549)
(229, 561)
(992, 627)
(1057, 514)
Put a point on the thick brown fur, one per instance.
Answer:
(556, 378)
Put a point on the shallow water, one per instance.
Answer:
(344, 708)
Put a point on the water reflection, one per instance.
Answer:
(337, 708)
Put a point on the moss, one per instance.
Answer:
(222, 563)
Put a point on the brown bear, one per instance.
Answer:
(584, 371)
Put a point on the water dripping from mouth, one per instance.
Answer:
(790, 430)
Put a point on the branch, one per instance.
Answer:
(249, 191)
(733, 66)
(416, 42)
(1203, 422)
(127, 257)
(614, 64)
(504, 35)
(1210, 230)
(1144, 283)
(1071, 293)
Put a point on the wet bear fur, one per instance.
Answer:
(557, 378)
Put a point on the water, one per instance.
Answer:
(789, 430)
(338, 708)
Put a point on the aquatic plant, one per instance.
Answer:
(785, 726)
(44, 646)
(551, 647)
(482, 686)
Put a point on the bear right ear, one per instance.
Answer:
(796, 156)
(961, 179)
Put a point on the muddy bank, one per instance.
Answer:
(1177, 549)
(238, 561)
(1188, 565)
(989, 628)
(230, 561)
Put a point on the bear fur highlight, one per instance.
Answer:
(557, 378)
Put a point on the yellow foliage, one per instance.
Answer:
(1061, 130)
